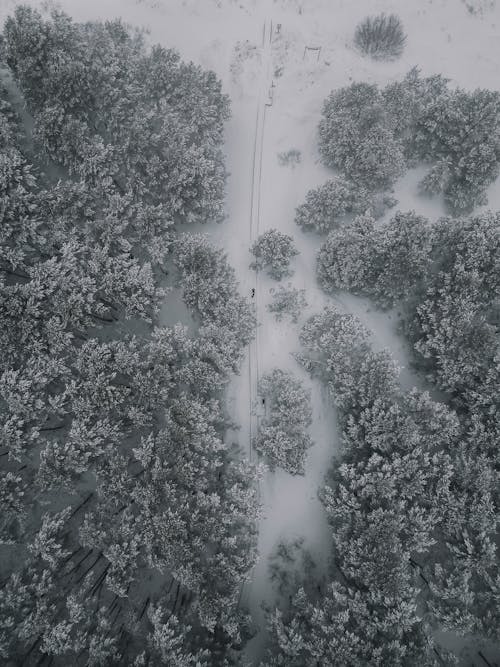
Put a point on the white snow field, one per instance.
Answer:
(277, 86)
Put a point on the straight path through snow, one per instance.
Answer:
(253, 356)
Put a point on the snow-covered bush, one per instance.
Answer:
(291, 157)
(283, 436)
(356, 136)
(273, 251)
(381, 37)
(326, 207)
(287, 301)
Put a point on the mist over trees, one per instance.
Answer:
(287, 302)
(128, 524)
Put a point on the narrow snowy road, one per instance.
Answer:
(291, 508)
(255, 209)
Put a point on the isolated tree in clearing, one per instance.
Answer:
(283, 436)
(273, 251)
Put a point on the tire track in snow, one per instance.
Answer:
(254, 227)
(255, 197)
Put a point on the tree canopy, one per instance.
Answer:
(128, 523)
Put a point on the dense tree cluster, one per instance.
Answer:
(107, 107)
(273, 251)
(372, 135)
(455, 318)
(283, 437)
(128, 524)
(451, 317)
(455, 131)
(385, 504)
(381, 261)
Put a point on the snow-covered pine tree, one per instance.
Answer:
(273, 251)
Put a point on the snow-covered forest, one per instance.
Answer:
(250, 333)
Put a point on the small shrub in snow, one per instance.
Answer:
(290, 157)
(287, 301)
(283, 438)
(357, 137)
(478, 7)
(273, 251)
(381, 37)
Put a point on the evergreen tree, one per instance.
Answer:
(356, 136)
(283, 437)
(327, 206)
(273, 251)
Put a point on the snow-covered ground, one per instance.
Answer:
(234, 38)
